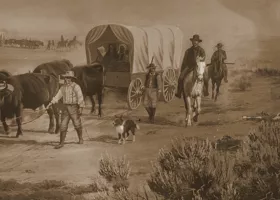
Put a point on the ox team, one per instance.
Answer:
(73, 99)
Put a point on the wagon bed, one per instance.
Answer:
(163, 43)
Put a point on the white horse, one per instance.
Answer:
(193, 87)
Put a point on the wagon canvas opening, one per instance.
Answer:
(126, 51)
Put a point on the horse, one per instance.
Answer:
(74, 43)
(192, 91)
(62, 45)
(216, 74)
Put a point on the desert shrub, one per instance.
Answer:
(258, 164)
(115, 171)
(244, 82)
(227, 143)
(267, 72)
(192, 169)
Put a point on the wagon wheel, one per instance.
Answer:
(134, 96)
(169, 84)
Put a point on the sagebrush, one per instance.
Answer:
(193, 169)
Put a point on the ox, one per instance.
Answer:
(29, 91)
(56, 67)
(91, 79)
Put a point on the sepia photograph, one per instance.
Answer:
(139, 100)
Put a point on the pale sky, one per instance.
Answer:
(228, 21)
(38, 17)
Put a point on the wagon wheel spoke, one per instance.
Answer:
(171, 79)
(134, 96)
(169, 84)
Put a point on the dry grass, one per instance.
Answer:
(47, 190)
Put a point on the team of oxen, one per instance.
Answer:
(35, 89)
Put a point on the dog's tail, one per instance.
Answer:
(137, 126)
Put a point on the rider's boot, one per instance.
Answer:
(225, 75)
(179, 90)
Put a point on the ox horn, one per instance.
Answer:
(3, 85)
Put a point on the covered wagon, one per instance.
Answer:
(126, 51)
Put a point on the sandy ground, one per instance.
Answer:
(33, 158)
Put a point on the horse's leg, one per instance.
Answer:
(217, 90)
(186, 108)
(57, 119)
(51, 117)
(213, 89)
(5, 125)
(19, 120)
(100, 98)
(92, 104)
(198, 108)
(188, 111)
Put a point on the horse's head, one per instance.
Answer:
(200, 68)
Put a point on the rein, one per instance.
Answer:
(30, 120)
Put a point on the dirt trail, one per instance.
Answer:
(33, 158)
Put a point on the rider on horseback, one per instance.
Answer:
(219, 57)
(189, 63)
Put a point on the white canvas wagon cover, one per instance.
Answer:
(164, 43)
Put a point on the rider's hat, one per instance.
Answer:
(196, 38)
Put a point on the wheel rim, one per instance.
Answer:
(134, 94)
(169, 84)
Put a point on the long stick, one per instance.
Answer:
(152, 60)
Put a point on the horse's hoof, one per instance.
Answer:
(51, 131)
(195, 118)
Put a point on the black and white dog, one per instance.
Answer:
(123, 127)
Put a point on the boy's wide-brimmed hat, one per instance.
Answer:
(152, 65)
(69, 74)
(196, 38)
